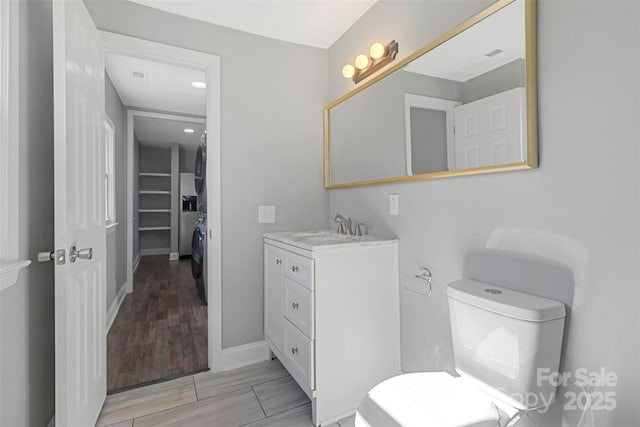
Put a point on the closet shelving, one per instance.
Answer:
(155, 185)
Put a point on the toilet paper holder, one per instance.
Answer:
(425, 274)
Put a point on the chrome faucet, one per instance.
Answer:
(344, 226)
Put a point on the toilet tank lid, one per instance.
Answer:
(505, 301)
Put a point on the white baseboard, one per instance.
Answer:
(115, 305)
(155, 251)
(174, 256)
(244, 355)
(136, 262)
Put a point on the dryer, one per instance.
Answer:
(200, 174)
(199, 240)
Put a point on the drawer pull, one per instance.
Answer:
(294, 305)
(278, 261)
(294, 268)
(294, 350)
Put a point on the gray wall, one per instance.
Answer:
(187, 160)
(116, 241)
(271, 143)
(585, 190)
(155, 160)
(26, 309)
(136, 198)
(368, 130)
(502, 79)
(428, 140)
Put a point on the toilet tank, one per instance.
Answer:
(507, 342)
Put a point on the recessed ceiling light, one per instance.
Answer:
(188, 130)
(199, 85)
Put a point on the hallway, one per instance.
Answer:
(160, 331)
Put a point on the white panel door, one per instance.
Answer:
(80, 286)
(491, 131)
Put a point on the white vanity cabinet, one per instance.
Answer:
(332, 315)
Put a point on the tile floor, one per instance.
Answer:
(260, 395)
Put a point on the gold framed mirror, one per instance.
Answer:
(464, 104)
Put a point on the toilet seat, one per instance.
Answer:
(434, 399)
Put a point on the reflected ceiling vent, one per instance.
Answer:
(495, 53)
(139, 75)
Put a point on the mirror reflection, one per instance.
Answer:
(461, 106)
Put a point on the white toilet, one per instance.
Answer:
(501, 338)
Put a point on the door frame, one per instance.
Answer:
(210, 64)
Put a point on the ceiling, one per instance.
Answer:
(162, 132)
(156, 86)
(317, 23)
(466, 55)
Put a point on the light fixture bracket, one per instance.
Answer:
(391, 50)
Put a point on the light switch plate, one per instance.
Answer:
(266, 214)
(393, 204)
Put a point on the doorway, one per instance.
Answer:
(160, 331)
(163, 327)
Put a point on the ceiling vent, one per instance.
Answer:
(139, 75)
(494, 53)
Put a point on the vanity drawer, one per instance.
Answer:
(299, 269)
(299, 353)
(298, 306)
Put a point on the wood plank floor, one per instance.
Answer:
(260, 395)
(160, 331)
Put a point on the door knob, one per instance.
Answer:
(74, 254)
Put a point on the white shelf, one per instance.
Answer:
(154, 192)
(153, 210)
(154, 174)
(153, 228)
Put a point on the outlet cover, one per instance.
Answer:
(393, 204)
(266, 214)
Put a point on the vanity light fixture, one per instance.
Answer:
(379, 56)
(188, 130)
(199, 85)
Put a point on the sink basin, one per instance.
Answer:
(320, 236)
(328, 238)
(311, 234)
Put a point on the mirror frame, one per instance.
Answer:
(531, 91)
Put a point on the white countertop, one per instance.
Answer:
(321, 239)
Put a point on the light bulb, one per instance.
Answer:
(348, 71)
(362, 61)
(377, 50)
(199, 85)
(188, 130)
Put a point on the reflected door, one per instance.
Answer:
(491, 131)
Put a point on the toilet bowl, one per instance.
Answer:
(500, 339)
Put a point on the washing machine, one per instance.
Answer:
(199, 256)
